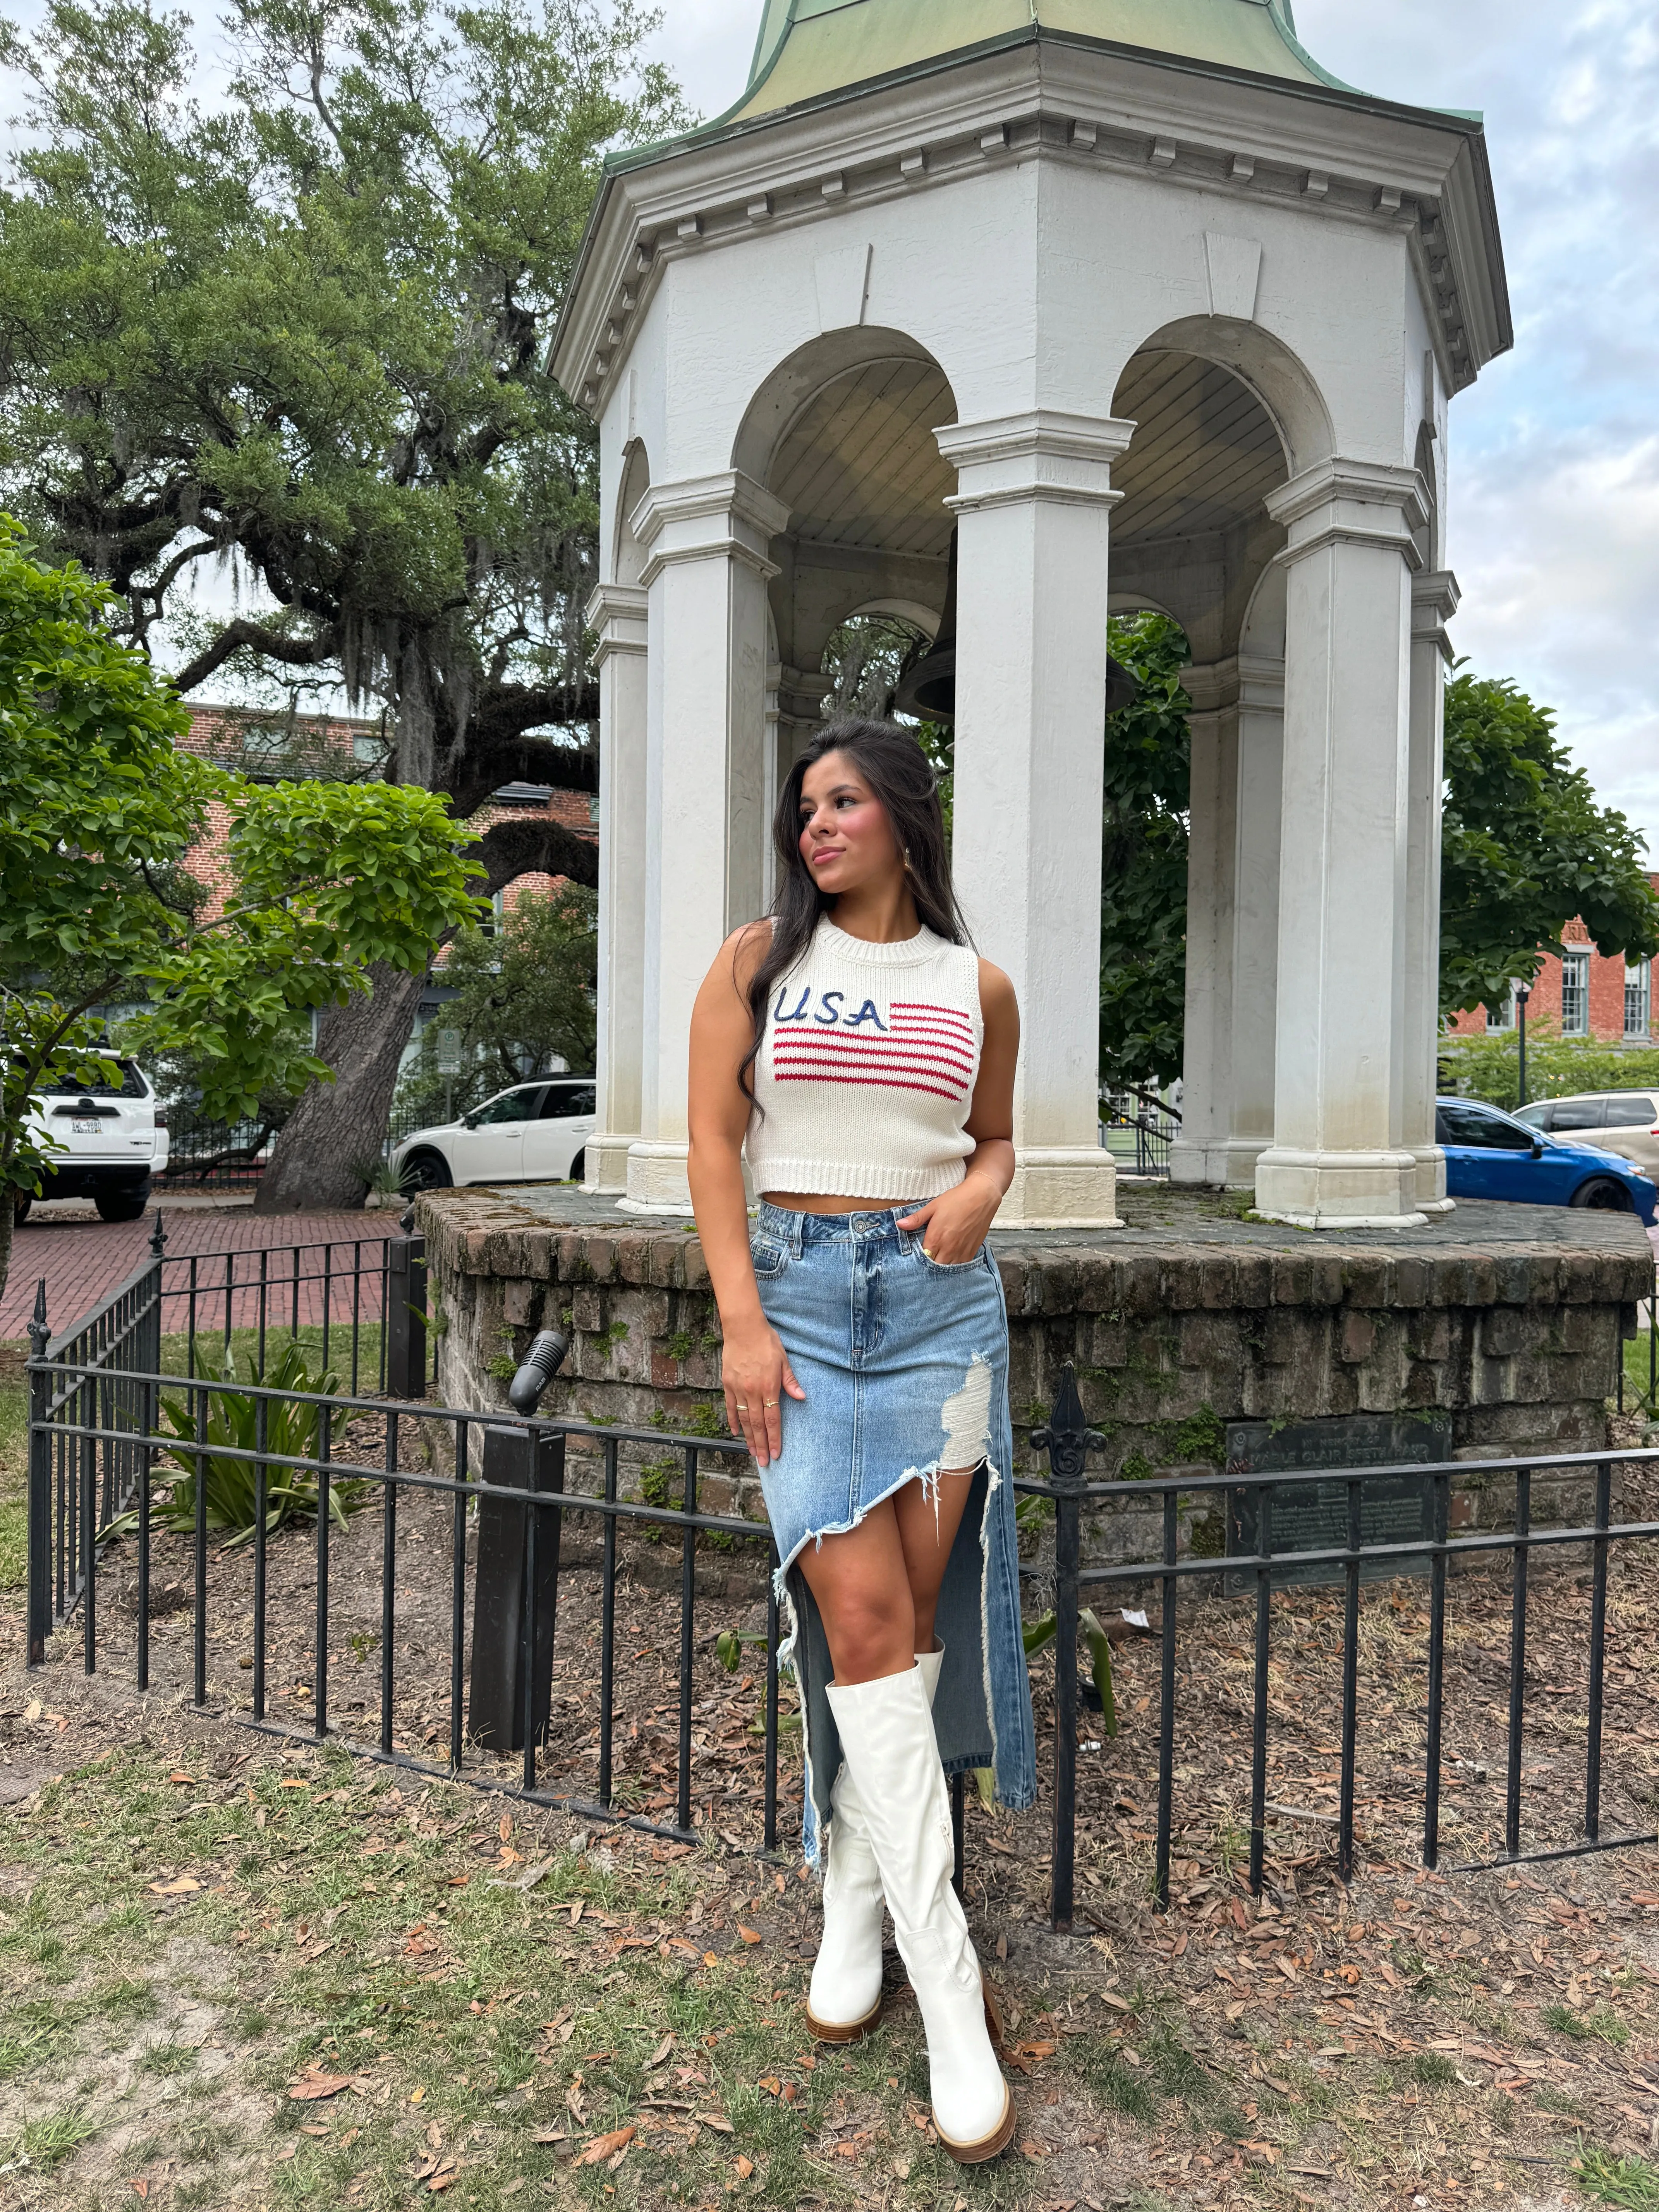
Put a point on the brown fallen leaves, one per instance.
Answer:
(605, 2146)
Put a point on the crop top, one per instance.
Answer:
(868, 1067)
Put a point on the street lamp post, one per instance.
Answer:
(1523, 993)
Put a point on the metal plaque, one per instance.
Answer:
(1313, 1516)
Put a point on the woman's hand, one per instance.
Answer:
(755, 1373)
(954, 1226)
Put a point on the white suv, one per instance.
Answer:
(110, 1140)
(535, 1132)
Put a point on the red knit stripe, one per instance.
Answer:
(879, 1082)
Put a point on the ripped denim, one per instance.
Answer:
(905, 1367)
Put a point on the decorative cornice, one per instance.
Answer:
(617, 613)
(1392, 169)
(1435, 596)
(1342, 502)
(1043, 454)
(704, 518)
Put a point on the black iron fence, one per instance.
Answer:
(435, 1537)
(496, 1492)
(1248, 1502)
(1138, 1128)
(203, 1151)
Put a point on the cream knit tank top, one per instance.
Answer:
(867, 1068)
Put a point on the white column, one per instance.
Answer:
(1232, 922)
(706, 570)
(1198, 1153)
(1255, 916)
(1033, 496)
(1337, 1159)
(617, 613)
(1434, 602)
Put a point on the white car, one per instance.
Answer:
(534, 1132)
(111, 1138)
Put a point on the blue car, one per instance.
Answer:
(1489, 1154)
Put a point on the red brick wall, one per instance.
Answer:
(216, 732)
(1607, 992)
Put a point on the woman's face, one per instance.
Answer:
(846, 840)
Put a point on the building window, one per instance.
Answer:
(1575, 995)
(1502, 1017)
(1638, 998)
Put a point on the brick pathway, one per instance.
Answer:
(82, 1260)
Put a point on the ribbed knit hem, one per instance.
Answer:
(909, 952)
(848, 1179)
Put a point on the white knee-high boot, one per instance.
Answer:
(844, 2000)
(887, 1735)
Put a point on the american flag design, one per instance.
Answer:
(891, 1044)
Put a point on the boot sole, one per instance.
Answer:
(988, 2147)
(853, 2031)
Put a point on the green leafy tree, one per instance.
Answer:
(305, 332)
(98, 812)
(1143, 913)
(524, 1001)
(1526, 849)
(1489, 1067)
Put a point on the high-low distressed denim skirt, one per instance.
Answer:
(905, 1366)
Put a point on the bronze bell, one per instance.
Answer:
(928, 689)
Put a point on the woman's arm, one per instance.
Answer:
(753, 1367)
(955, 1225)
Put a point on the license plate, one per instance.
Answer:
(85, 1128)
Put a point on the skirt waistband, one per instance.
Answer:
(879, 1225)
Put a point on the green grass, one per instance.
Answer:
(1631, 2182)
(1583, 2027)
(1635, 1356)
(245, 1343)
(14, 1479)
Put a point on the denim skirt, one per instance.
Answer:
(905, 1367)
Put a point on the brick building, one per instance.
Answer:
(275, 746)
(1586, 995)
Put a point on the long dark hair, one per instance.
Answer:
(900, 776)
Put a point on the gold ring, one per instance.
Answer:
(739, 1403)
(927, 1252)
(768, 1401)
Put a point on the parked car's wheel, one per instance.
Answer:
(1605, 1194)
(579, 1167)
(424, 1170)
(121, 1204)
(21, 1201)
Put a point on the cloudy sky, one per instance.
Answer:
(1555, 512)
(1555, 506)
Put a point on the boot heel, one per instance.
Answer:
(988, 2147)
(851, 2031)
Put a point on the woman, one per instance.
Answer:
(867, 1057)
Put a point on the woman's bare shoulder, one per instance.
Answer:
(745, 950)
(996, 991)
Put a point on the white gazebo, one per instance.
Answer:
(1154, 314)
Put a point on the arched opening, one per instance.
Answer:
(1191, 534)
(628, 557)
(843, 433)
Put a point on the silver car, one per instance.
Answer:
(1622, 1121)
(534, 1132)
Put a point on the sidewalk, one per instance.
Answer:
(82, 1259)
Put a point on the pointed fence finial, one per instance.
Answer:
(39, 1331)
(1067, 1439)
(158, 1235)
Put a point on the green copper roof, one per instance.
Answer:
(810, 48)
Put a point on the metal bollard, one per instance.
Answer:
(405, 1318)
(510, 1558)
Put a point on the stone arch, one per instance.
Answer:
(1277, 376)
(628, 557)
(1192, 532)
(842, 432)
